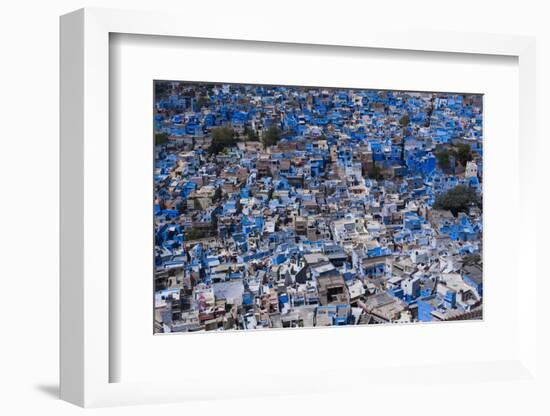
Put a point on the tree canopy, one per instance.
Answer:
(458, 199)
(202, 101)
(194, 234)
(463, 153)
(271, 136)
(375, 173)
(443, 159)
(222, 138)
(161, 138)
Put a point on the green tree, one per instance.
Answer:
(194, 234)
(404, 121)
(443, 159)
(202, 101)
(457, 199)
(271, 136)
(161, 138)
(222, 138)
(375, 173)
(162, 88)
(463, 153)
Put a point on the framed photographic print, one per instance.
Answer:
(296, 207)
(295, 211)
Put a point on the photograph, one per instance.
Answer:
(298, 207)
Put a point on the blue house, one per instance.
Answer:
(425, 307)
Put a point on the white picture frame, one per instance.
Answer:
(85, 181)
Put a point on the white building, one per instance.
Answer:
(471, 169)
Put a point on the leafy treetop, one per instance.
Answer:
(458, 199)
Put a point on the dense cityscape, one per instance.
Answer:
(288, 207)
